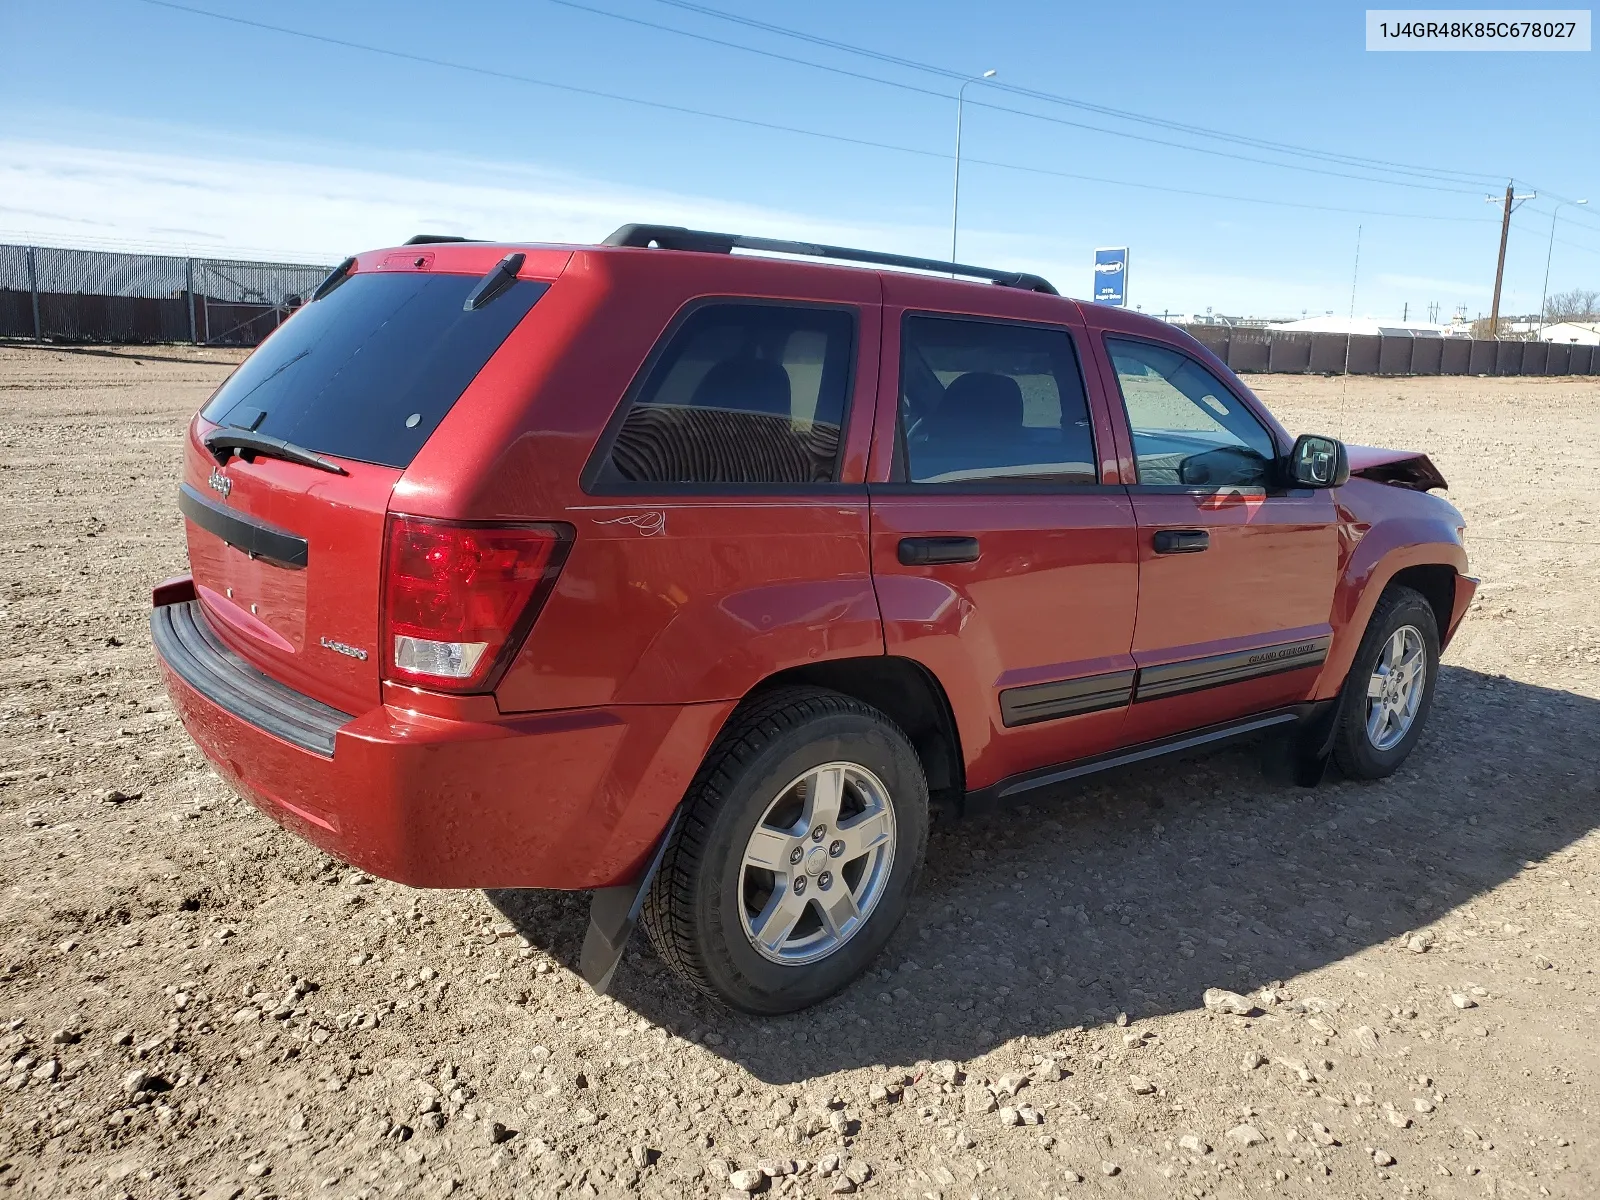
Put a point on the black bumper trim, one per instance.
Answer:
(186, 642)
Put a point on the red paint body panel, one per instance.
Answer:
(561, 800)
(335, 596)
(675, 604)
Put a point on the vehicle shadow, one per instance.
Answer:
(1138, 891)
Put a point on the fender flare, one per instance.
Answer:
(1383, 551)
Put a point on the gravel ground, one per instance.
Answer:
(195, 1004)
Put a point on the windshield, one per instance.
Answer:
(370, 370)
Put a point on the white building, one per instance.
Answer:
(1367, 325)
(1582, 333)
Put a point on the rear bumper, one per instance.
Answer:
(571, 799)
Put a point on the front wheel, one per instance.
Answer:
(801, 841)
(1390, 686)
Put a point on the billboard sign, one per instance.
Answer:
(1111, 276)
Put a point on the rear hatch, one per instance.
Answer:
(286, 543)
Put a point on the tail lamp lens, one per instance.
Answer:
(456, 595)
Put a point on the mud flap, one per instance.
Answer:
(1301, 754)
(613, 912)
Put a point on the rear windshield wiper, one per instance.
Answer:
(221, 441)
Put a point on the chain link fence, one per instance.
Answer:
(48, 293)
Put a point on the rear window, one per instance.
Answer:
(370, 370)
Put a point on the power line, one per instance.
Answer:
(923, 91)
(1104, 110)
(509, 76)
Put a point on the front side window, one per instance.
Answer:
(742, 393)
(1188, 429)
(985, 401)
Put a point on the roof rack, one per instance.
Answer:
(675, 237)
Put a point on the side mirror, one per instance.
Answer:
(1317, 462)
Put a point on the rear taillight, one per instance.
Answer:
(459, 599)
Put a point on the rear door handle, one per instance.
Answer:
(926, 551)
(1181, 541)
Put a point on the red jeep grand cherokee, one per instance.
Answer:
(692, 578)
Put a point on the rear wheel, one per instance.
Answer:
(1390, 686)
(801, 842)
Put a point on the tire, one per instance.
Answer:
(1358, 751)
(779, 755)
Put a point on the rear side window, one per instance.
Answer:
(985, 400)
(370, 370)
(741, 393)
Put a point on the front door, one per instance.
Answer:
(1001, 561)
(1236, 575)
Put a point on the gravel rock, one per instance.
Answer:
(1462, 1001)
(1010, 1117)
(979, 1101)
(747, 1179)
(1220, 1001)
(1383, 1158)
(1109, 1168)
(1420, 943)
(1245, 1135)
(1140, 1086)
(1193, 1144)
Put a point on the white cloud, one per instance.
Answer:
(255, 200)
(298, 211)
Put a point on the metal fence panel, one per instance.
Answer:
(1394, 354)
(1427, 356)
(101, 296)
(1455, 356)
(1508, 358)
(1558, 357)
(1481, 359)
(1248, 350)
(1289, 352)
(1534, 357)
(1327, 353)
(1364, 351)
(1584, 360)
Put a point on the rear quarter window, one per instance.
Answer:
(368, 371)
(740, 393)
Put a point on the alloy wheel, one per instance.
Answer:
(817, 863)
(1396, 688)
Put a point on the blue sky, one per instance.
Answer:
(125, 122)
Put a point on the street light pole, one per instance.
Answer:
(1547, 256)
(955, 201)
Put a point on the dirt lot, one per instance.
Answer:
(193, 1003)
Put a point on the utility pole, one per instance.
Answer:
(1511, 202)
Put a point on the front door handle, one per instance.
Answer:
(1181, 541)
(926, 551)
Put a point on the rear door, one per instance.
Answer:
(1004, 559)
(288, 558)
(1236, 574)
